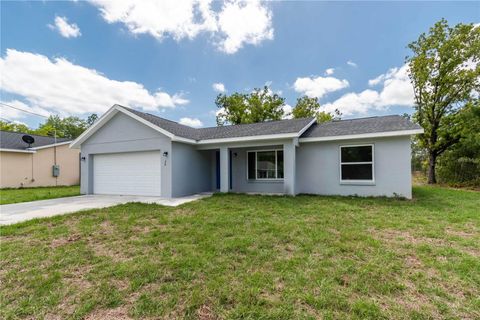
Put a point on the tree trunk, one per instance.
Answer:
(432, 179)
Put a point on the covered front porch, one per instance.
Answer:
(256, 168)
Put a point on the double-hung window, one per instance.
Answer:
(265, 165)
(357, 163)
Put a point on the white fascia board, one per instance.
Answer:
(51, 145)
(17, 150)
(249, 138)
(364, 135)
(183, 140)
(94, 127)
(241, 144)
(306, 127)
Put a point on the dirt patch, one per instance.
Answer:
(117, 253)
(461, 233)
(412, 299)
(286, 250)
(184, 212)
(106, 228)
(404, 237)
(205, 312)
(400, 236)
(64, 241)
(119, 313)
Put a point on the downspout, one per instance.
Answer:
(55, 152)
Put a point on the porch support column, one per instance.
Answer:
(289, 167)
(224, 170)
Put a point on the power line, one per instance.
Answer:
(19, 109)
(36, 114)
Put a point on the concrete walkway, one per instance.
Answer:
(18, 212)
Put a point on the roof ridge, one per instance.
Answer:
(32, 134)
(229, 125)
(268, 121)
(385, 116)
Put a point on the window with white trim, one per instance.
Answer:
(356, 163)
(265, 165)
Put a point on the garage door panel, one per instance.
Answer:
(133, 173)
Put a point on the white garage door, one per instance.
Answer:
(130, 173)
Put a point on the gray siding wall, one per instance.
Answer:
(124, 134)
(240, 183)
(191, 170)
(318, 170)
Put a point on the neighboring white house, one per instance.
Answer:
(134, 153)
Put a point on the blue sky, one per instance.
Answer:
(75, 58)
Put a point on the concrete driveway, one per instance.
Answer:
(18, 212)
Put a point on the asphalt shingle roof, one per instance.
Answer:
(326, 129)
(359, 126)
(231, 131)
(13, 140)
(173, 127)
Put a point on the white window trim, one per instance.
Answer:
(256, 160)
(359, 182)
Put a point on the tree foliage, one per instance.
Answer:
(69, 127)
(461, 163)
(258, 106)
(263, 105)
(15, 127)
(445, 72)
(307, 107)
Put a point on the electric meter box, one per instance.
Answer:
(56, 170)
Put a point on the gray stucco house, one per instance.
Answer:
(134, 153)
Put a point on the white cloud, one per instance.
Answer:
(65, 88)
(329, 71)
(233, 25)
(219, 87)
(67, 30)
(319, 86)
(376, 81)
(219, 112)
(397, 90)
(287, 109)
(244, 22)
(353, 103)
(191, 122)
(352, 64)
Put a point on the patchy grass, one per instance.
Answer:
(39, 193)
(240, 256)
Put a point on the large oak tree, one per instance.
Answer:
(257, 106)
(445, 74)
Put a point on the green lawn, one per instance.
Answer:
(33, 194)
(251, 257)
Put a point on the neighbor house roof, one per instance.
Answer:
(13, 141)
(361, 126)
